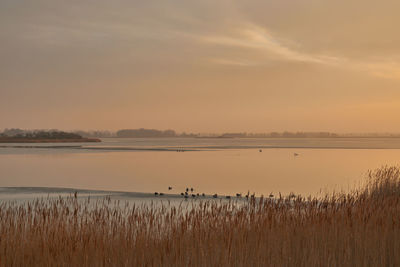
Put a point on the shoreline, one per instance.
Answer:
(192, 148)
(66, 140)
(29, 193)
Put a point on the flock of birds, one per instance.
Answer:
(189, 193)
(186, 194)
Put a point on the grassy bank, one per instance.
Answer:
(361, 228)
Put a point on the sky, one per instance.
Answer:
(200, 66)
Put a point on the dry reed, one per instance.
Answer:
(361, 228)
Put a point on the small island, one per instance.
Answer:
(45, 137)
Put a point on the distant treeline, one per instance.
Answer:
(140, 133)
(146, 133)
(96, 134)
(134, 133)
(309, 135)
(281, 135)
(52, 134)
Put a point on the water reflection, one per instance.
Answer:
(227, 171)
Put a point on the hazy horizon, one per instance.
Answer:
(188, 132)
(226, 66)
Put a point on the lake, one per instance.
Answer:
(209, 165)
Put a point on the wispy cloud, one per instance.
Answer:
(270, 47)
(255, 37)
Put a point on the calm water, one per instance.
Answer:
(224, 166)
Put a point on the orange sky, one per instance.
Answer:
(201, 66)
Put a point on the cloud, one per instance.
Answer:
(269, 48)
(268, 45)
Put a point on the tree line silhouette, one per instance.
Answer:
(21, 134)
(149, 133)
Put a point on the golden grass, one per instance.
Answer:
(361, 228)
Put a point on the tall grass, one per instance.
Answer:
(361, 228)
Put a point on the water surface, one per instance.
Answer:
(223, 166)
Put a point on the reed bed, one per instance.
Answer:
(360, 228)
